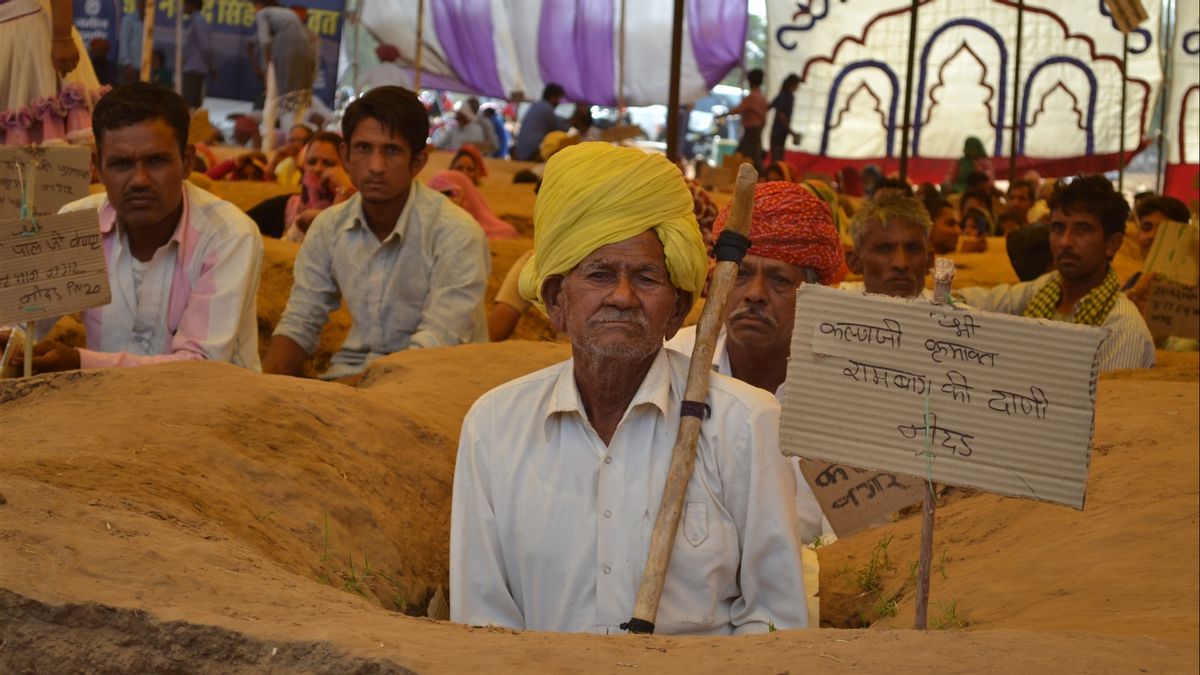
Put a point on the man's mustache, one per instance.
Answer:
(753, 311)
(620, 316)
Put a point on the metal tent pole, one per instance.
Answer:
(912, 51)
(673, 94)
(1012, 146)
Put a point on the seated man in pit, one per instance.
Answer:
(793, 241)
(411, 266)
(891, 245)
(1087, 227)
(560, 473)
(183, 265)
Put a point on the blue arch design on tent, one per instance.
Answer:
(1091, 108)
(1002, 88)
(837, 83)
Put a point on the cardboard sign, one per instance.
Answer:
(1173, 310)
(59, 174)
(976, 399)
(1175, 253)
(854, 499)
(52, 268)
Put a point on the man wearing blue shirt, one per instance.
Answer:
(129, 45)
(198, 53)
(540, 120)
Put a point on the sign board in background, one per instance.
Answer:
(51, 267)
(854, 499)
(1175, 253)
(60, 176)
(1173, 310)
(232, 26)
(996, 402)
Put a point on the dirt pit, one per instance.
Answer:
(195, 517)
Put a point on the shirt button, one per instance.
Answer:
(607, 513)
(608, 460)
(607, 569)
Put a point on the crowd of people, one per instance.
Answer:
(622, 249)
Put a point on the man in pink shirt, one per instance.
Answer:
(753, 110)
(183, 265)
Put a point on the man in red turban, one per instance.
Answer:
(792, 241)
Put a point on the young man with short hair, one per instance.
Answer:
(1087, 227)
(411, 266)
(183, 265)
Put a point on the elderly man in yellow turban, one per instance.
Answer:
(560, 473)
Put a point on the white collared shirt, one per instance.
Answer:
(422, 286)
(550, 528)
(196, 299)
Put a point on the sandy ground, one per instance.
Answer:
(304, 517)
(199, 518)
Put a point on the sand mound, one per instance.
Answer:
(202, 518)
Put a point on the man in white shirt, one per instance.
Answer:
(793, 241)
(411, 266)
(183, 265)
(1087, 227)
(560, 473)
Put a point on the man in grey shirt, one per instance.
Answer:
(411, 265)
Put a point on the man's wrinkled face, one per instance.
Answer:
(143, 171)
(619, 301)
(381, 165)
(762, 303)
(946, 231)
(1020, 200)
(893, 260)
(1081, 251)
(1147, 229)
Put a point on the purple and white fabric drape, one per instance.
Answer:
(500, 47)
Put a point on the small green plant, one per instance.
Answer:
(771, 626)
(948, 618)
(886, 607)
(817, 542)
(870, 578)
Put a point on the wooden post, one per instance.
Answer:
(673, 94)
(929, 503)
(1016, 95)
(683, 455)
(621, 65)
(147, 41)
(420, 46)
(908, 84)
(1124, 98)
(179, 48)
(356, 64)
(1167, 42)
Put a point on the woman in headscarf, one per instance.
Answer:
(974, 159)
(323, 183)
(458, 187)
(469, 161)
(779, 171)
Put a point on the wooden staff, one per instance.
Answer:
(683, 455)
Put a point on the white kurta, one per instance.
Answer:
(550, 528)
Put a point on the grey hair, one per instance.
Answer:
(887, 207)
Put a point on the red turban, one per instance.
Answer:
(793, 225)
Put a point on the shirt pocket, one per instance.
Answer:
(695, 523)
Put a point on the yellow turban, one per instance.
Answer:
(596, 194)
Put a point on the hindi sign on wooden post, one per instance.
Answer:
(58, 176)
(52, 267)
(996, 402)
